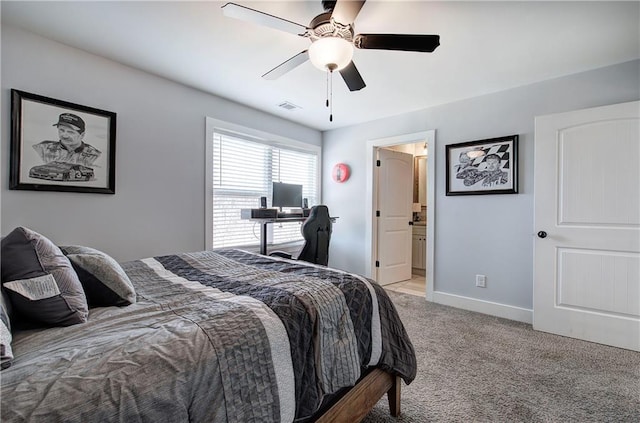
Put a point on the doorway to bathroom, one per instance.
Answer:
(420, 251)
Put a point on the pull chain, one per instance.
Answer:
(331, 98)
(327, 104)
(330, 68)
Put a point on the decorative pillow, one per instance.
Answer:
(105, 283)
(6, 355)
(40, 281)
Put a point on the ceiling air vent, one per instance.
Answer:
(289, 106)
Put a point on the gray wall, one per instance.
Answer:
(158, 207)
(491, 234)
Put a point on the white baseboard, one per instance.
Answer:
(486, 307)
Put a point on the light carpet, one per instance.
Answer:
(478, 368)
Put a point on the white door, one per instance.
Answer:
(394, 200)
(587, 219)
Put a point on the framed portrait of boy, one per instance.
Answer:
(483, 167)
(61, 146)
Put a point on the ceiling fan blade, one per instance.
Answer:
(352, 77)
(345, 11)
(287, 66)
(405, 42)
(243, 13)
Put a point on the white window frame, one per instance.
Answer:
(274, 140)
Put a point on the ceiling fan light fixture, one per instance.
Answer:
(330, 53)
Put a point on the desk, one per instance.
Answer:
(265, 221)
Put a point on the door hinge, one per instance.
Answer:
(378, 163)
(377, 213)
(377, 263)
(410, 223)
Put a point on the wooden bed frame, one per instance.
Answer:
(353, 406)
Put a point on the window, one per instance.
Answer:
(242, 170)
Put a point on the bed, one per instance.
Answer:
(210, 336)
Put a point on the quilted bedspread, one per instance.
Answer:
(215, 336)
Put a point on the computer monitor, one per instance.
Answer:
(286, 195)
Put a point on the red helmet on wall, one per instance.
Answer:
(340, 172)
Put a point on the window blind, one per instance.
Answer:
(243, 171)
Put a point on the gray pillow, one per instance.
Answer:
(6, 354)
(40, 282)
(105, 283)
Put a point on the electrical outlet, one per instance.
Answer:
(481, 281)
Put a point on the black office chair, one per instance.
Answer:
(316, 231)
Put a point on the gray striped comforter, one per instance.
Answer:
(224, 336)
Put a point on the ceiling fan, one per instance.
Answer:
(333, 39)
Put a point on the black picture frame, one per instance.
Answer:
(39, 157)
(487, 166)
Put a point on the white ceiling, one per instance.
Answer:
(485, 47)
